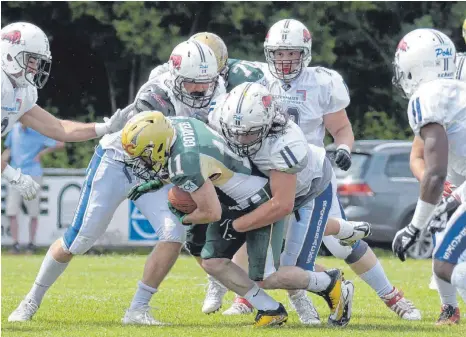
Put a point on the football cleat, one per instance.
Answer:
(214, 296)
(348, 294)
(271, 317)
(404, 308)
(304, 307)
(361, 230)
(334, 295)
(24, 312)
(240, 306)
(449, 315)
(140, 316)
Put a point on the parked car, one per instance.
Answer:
(380, 188)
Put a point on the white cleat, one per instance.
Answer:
(304, 308)
(239, 307)
(361, 230)
(404, 308)
(24, 312)
(140, 316)
(214, 296)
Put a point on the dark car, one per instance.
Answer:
(380, 188)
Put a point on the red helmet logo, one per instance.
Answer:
(306, 35)
(176, 60)
(13, 36)
(267, 36)
(267, 101)
(402, 45)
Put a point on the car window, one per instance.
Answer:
(398, 166)
(358, 167)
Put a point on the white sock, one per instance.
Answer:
(260, 300)
(458, 276)
(346, 229)
(142, 296)
(446, 291)
(377, 280)
(49, 272)
(318, 281)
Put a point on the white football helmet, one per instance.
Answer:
(26, 57)
(193, 65)
(246, 117)
(421, 56)
(288, 34)
(461, 67)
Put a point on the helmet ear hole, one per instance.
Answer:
(9, 58)
(160, 148)
(410, 77)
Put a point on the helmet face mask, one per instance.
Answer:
(194, 73)
(285, 38)
(244, 143)
(25, 54)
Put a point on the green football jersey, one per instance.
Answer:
(200, 153)
(240, 71)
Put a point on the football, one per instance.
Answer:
(181, 200)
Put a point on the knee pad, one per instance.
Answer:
(358, 251)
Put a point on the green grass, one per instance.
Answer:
(90, 298)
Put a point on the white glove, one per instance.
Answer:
(26, 186)
(114, 123)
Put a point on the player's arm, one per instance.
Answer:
(208, 206)
(283, 186)
(416, 159)
(70, 131)
(339, 126)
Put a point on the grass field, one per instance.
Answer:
(90, 298)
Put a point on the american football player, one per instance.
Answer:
(424, 69)
(199, 161)
(300, 177)
(26, 64)
(186, 90)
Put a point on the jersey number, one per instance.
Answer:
(293, 112)
(177, 164)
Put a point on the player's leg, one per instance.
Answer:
(450, 253)
(172, 235)
(222, 242)
(99, 198)
(296, 271)
(362, 260)
(13, 204)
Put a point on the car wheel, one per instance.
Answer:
(423, 247)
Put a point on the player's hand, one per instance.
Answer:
(403, 240)
(180, 215)
(442, 213)
(343, 157)
(116, 122)
(448, 189)
(25, 185)
(143, 188)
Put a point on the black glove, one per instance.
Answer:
(403, 240)
(343, 157)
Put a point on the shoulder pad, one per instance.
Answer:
(154, 98)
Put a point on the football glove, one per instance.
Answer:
(442, 214)
(23, 183)
(114, 123)
(180, 215)
(343, 157)
(403, 240)
(143, 188)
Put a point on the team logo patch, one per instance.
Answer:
(189, 186)
(18, 104)
(267, 101)
(13, 36)
(306, 35)
(176, 61)
(402, 45)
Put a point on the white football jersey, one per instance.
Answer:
(460, 67)
(287, 152)
(15, 102)
(316, 92)
(113, 141)
(443, 101)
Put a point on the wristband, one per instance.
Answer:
(422, 214)
(100, 129)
